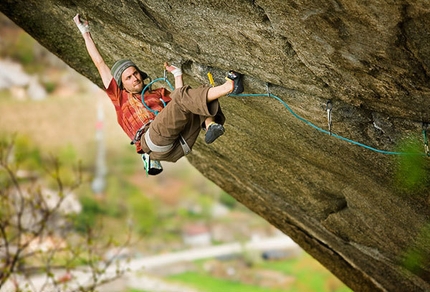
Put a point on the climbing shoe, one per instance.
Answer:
(213, 132)
(237, 80)
(152, 167)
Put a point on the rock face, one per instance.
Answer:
(363, 214)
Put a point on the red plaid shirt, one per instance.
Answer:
(130, 111)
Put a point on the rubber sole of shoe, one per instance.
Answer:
(213, 133)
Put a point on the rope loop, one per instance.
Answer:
(148, 86)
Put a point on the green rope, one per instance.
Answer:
(149, 86)
(325, 131)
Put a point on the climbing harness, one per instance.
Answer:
(329, 132)
(185, 147)
(154, 147)
(139, 133)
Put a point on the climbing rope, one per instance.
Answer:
(148, 86)
(330, 132)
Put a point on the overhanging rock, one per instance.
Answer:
(344, 204)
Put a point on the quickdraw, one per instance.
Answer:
(329, 108)
(426, 141)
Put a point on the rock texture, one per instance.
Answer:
(344, 204)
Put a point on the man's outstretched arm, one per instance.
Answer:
(97, 59)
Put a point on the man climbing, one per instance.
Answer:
(162, 125)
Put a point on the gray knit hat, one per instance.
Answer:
(119, 67)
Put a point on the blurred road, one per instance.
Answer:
(280, 242)
(135, 269)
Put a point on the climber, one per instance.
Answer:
(164, 126)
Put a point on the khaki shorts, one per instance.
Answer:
(183, 116)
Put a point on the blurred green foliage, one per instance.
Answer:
(49, 86)
(24, 49)
(122, 201)
(143, 213)
(87, 217)
(412, 173)
(24, 153)
(304, 273)
(21, 48)
(227, 200)
(416, 259)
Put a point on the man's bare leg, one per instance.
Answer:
(220, 90)
(233, 85)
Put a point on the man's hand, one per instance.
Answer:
(173, 69)
(177, 72)
(83, 26)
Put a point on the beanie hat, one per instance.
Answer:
(119, 67)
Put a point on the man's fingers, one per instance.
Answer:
(168, 67)
(83, 27)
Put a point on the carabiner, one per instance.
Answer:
(329, 108)
(267, 89)
(426, 141)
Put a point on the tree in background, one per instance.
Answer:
(39, 248)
